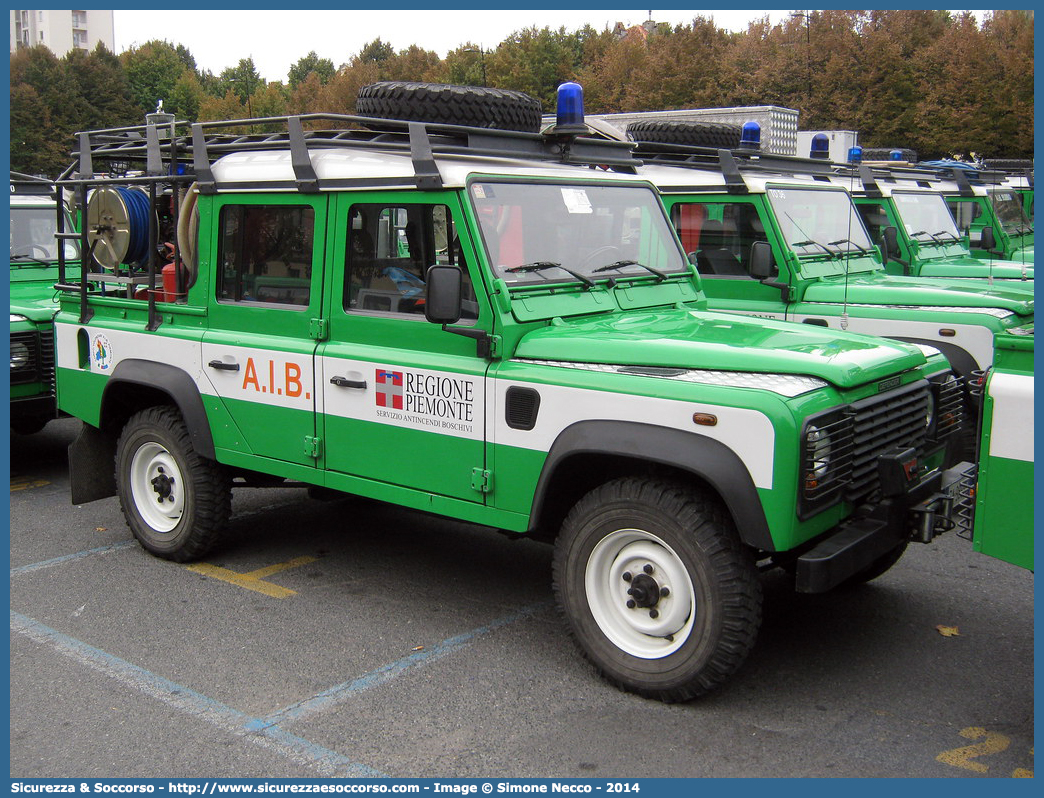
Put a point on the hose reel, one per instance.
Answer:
(118, 226)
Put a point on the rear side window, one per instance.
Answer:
(265, 254)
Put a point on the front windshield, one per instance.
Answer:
(1008, 207)
(819, 223)
(546, 232)
(926, 217)
(32, 236)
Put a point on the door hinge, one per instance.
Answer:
(317, 329)
(481, 480)
(313, 446)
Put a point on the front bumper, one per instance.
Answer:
(940, 502)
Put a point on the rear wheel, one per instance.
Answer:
(176, 502)
(656, 588)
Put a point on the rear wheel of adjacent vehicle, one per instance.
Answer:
(656, 588)
(444, 103)
(176, 502)
(699, 134)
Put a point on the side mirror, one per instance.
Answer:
(762, 261)
(443, 301)
(890, 237)
(987, 240)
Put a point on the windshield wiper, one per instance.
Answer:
(541, 265)
(30, 259)
(949, 236)
(848, 241)
(660, 276)
(930, 235)
(823, 247)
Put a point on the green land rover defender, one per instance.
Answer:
(498, 326)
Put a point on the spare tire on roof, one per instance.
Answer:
(444, 103)
(885, 154)
(700, 134)
(1008, 164)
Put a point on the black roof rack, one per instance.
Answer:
(194, 148)
(924, 175)
(31, 185)
(731, 163)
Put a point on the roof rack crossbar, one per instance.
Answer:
(304, 172)
(424, 167)
(201, 162)
(730, 171)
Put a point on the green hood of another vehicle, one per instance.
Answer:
(692, 339)
(878, 288)
(977, 268)
(34, 298)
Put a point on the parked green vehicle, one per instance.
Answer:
(1004, 494)
(534, 354)
(777, 237)
(913, 227)
(987, 208)
(34, 272)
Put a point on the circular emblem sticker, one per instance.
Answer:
(101, 352)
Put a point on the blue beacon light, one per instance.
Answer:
(570, 109)
(750, 136)
(895, 155)
(855, 154)
(820, 147)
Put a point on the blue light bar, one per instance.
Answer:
(855, 154)
(570, 107)
(820, 147)
(750, 137)
(895, 155)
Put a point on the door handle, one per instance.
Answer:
(221, 365)
(344, 382)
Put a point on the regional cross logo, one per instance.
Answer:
(389, 389)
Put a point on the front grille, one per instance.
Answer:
(37, 347)
(883, 423)
(841, 448)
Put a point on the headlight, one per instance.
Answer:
(19, 355)
(16, 317)
(929, 416)
(818, 448)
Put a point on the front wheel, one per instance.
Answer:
(176, 502)
(656, 588)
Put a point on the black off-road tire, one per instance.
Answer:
(176, 502)
(444, 103)
(699, 134)
(885, 154)
(706, 621)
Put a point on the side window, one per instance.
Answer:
(390, 248)
(719, 236)
(964, 213)
(875, 217)
(265, 253)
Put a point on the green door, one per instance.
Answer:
(404, 401)
(264, 316)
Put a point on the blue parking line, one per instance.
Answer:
(253, 730)
(36, 566)
(386, 673)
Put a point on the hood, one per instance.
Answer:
(35, 300)
(694, 339)
(879, 288)
(977, 268)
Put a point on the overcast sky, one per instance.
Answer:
(277, 39)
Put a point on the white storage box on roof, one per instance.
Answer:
(778, 125)
(841, 141)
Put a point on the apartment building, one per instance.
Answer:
(62, 31)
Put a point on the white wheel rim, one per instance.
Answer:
(157, 487)
(647, 630)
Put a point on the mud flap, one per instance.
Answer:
(92, 465)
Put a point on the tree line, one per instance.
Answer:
(937, 83)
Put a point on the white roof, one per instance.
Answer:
(360, 165)
(672, 179)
